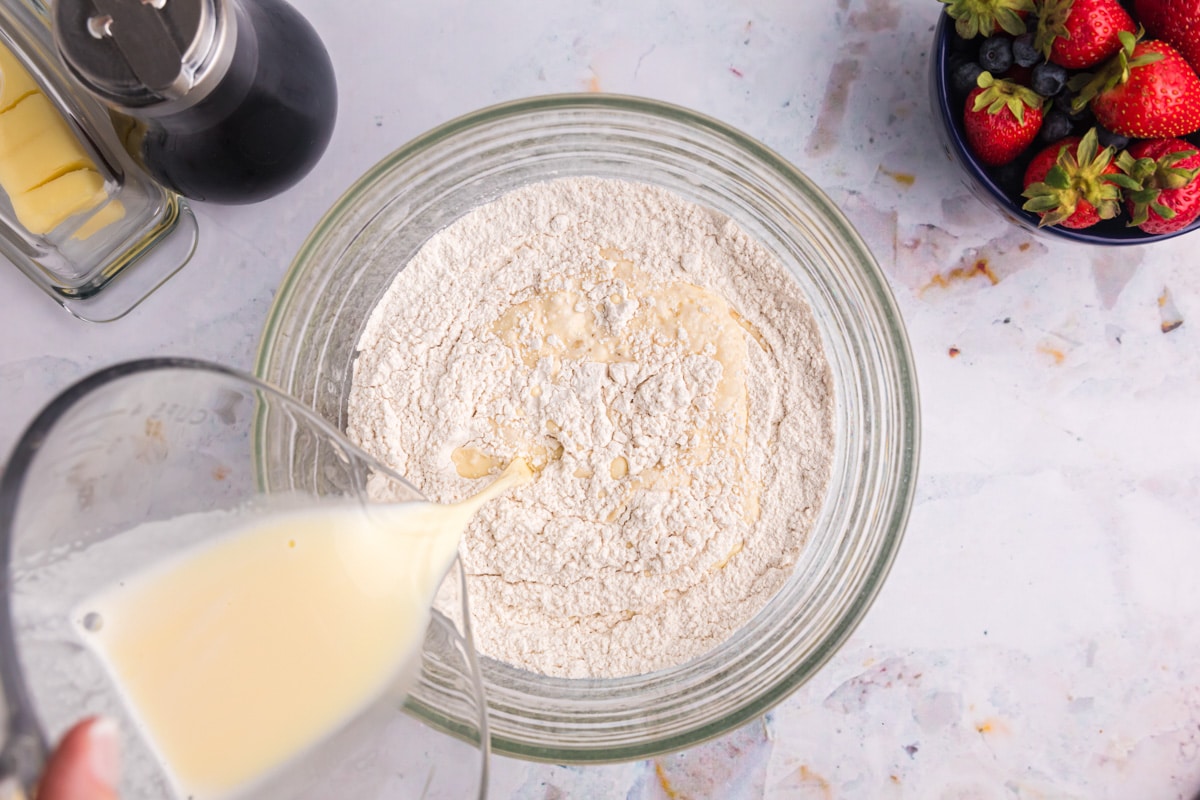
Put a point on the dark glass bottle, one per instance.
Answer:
(230, 101)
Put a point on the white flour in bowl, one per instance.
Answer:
(662, 372)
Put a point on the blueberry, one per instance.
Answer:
(1023, 51)
(1109, 139)
(1055, 125)
(964, 76)
(1048, 79)
(995, 54)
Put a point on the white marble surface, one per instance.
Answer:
(1038, 636)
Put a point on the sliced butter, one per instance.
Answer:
(15, 81)
(36, 146)
(43, 209)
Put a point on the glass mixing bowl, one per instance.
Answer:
(308, 349)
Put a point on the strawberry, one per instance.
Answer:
(1162, 192)
(1145, 91)
(1077, 34)
(1069, 183)
(1001, 119)
(1176, 22)
(984, 17)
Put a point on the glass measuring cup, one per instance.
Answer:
(154, 440)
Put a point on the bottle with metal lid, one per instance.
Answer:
(77, 216)
(230, 101)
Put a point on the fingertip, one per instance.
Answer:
(103, 743)
(85, 765)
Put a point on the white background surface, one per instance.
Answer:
(1038, 635)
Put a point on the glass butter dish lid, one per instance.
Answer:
(76, 216)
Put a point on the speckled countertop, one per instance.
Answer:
(1039, 636)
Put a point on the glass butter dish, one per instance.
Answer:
(76, 215)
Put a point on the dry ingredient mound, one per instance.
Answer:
(663, 375)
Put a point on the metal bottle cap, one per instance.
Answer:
(156, 56)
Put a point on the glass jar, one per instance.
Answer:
(348, 262)
(76, 216)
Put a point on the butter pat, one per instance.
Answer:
(37, 146)
(15, 81)
(44, 168)
(49, 205)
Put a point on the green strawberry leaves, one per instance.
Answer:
(1113, 73)
(982, 17)
(1145, 179)
(1052, 24)
(1074, 177)
(998, 95)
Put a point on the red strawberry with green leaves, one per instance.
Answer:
(1078, 34)
(1070, 183)
(1001, 119)
(984, 17)
(1146, 91)
(1176, 22)
(1162, 192)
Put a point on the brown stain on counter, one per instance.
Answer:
(1171, 318)
(974, 270)
(1058, 355)
(805, 777)
(928, 249)
(833, 107)
(905, 179)
(879, 15)
(992, 725)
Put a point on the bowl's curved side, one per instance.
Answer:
(953, 138)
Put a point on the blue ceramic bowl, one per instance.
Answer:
(999, 188)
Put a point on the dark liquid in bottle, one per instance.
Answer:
(264, 126)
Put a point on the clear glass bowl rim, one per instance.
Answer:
(905, 403)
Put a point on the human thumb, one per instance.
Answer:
(86, 764)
